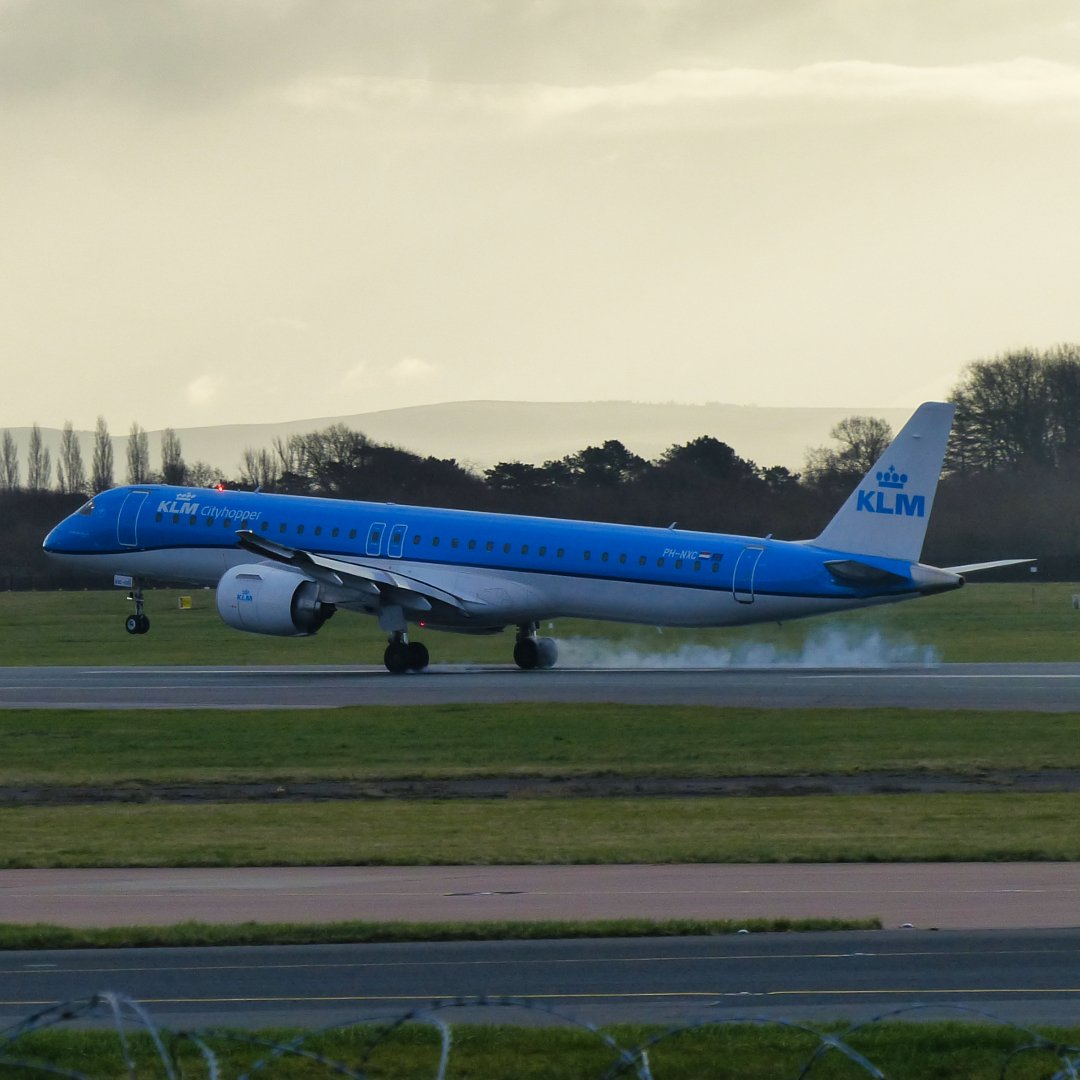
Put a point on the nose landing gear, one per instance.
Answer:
(137, 623)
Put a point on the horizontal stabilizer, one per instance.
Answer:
(972, 568)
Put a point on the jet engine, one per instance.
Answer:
(266, 600)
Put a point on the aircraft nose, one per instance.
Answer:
(61, 539)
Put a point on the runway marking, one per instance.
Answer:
(615, 995)
(35, 969)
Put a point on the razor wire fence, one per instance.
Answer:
(144, 1050)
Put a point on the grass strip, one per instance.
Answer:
(840, 828)
(750, 1050)
(982, 622)
(188, 934)
(124, 748)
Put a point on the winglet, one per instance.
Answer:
(887, 513)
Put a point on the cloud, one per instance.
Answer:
(355, 375)
(411, 369)
(203, 390)
(1024, 81)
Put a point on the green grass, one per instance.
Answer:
(982, 622)
(59, 746)
(719, 1051)
(189, 934)
(875, 828)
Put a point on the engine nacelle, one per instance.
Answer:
(265, 600)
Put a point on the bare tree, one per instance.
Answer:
(202, 474)
(259, 469)
(138, 455)
(70, 473)
(38, 462)
(862, 439)
(173, 470)
(9, 463)
(103, 457)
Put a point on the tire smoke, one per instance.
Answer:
(827, 648)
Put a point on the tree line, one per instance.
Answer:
(1009, 487)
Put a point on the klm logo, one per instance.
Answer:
(245, 596)
(890, 497)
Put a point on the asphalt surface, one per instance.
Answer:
(1041, 687)
(954, 895)
(1022, 977)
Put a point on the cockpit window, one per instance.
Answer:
(86, 509)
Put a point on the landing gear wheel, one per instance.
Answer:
(396, 657)
(417, 656)
(136, 624)
(548, 652)
(527, 653)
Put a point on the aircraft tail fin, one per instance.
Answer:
(887, 513)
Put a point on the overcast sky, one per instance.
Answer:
(215, 211)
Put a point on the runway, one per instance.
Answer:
(1024, 977)
(1038, 687)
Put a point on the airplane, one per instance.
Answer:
(284, 564)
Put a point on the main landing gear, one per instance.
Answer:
(137, 623)
(531, 652)
(403, 655)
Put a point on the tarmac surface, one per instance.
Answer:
(1039, 687)
(925, 895)
(1020, 976)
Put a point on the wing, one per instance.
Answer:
(368, 585)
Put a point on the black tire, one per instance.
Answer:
(396, 657)
(144, 624)
(418, 656)
(132, 624)
(548, 652)
(526, 654)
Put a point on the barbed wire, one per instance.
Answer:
(127, 1017)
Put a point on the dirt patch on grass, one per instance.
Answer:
(511, 787)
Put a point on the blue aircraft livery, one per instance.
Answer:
(284, 564)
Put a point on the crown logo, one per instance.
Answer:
(890, 478)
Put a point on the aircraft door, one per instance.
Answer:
(742, 585)
(127, 521)
(397, 541)
(374, 538)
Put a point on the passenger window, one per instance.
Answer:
(560, 553)
(604, 557)
(697, 566)
(434, 541)
(374, 538)
(176, 519)
(588, 555)
(158, 517)
(318, 530)
(660, 561)
(334, 531)
(490, 545)
(281, 527)
(641, 561)
(524, 549)
(678, 564)
(227, 522)
(352, 534)
(543, 549)
(416, 539)
(299, 530)
(264, 526)
(455, 542)
(191, 519)
(209, 521)
(622, 558)
(715, 567)
(506, 549)
(472, 545)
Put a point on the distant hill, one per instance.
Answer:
(482, 433)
